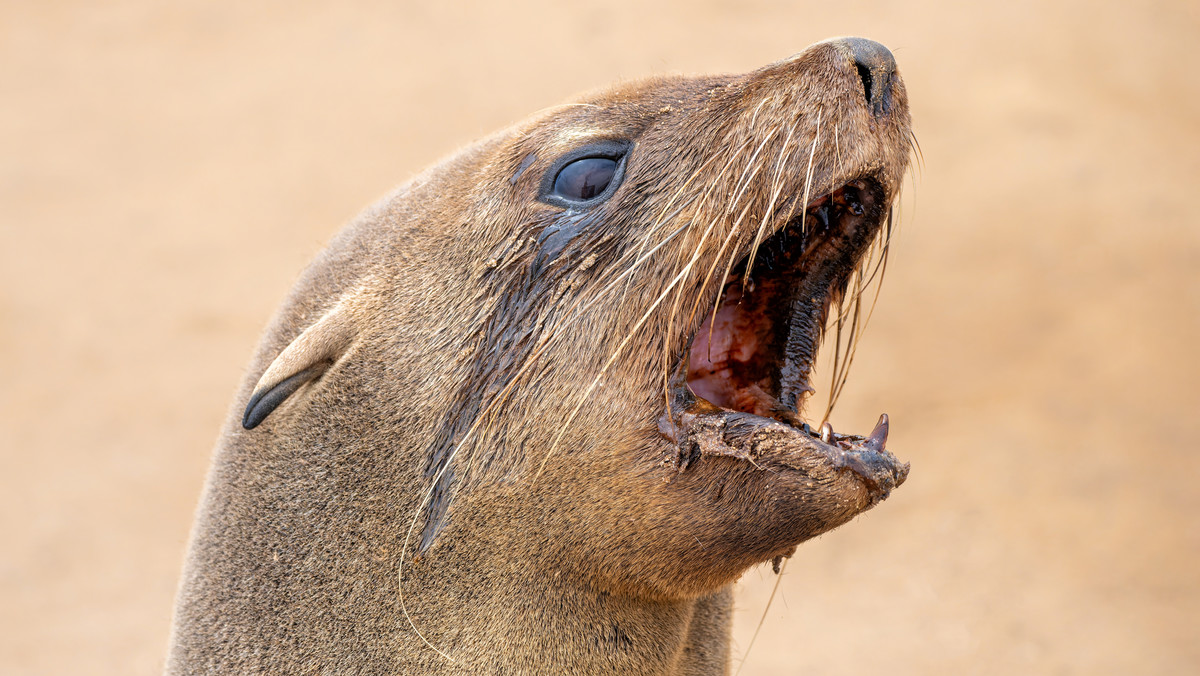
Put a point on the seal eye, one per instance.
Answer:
(585, 178)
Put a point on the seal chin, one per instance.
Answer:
(740, 389)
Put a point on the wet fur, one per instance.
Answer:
(486, 444)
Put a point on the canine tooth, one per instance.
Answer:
(878, 439)
(827, 433)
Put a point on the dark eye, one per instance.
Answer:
(584, 178)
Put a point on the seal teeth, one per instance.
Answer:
(827, 433)
(878, 439)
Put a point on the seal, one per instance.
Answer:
(538, 409)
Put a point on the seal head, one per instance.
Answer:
(539, 408)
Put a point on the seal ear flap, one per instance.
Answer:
(305, 359)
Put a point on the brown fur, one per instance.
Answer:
(446, 457)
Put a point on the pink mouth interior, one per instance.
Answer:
(731, 372)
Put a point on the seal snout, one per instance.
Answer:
(877, 69)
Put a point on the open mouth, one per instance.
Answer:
(755, 354)
(749, 363)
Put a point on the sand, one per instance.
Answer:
(166, 171)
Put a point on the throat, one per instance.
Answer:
(591, 631)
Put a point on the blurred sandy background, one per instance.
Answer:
(167, 169)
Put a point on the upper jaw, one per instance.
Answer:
(740, 387)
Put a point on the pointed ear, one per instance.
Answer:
(305, 359)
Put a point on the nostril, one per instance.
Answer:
(864, 74)
(876, 68)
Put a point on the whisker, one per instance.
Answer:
(747, 175)
(807, 186)
(916, 145)
(762, 620)
(720, 174)
(860, 322)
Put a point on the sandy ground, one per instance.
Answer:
(166, 171)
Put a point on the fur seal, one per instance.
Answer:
(538, 409)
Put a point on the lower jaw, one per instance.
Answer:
(699, 429)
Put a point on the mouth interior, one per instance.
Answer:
(755, 354)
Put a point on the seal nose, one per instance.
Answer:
(876, 68)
